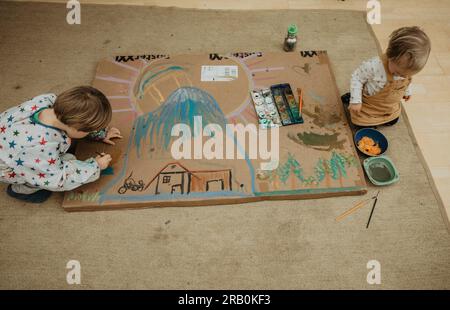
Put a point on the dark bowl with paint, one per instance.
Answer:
(375, 135)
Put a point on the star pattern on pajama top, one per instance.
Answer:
(35, 153)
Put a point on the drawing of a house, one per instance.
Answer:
(175, 178)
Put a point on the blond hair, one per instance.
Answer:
(412, 43)
(84, 108)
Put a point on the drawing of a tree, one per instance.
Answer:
(325, 170)
(297, 175)
(292, 169)
(323, 166)
(350, 160)
(320, 170)
(296, 170)
(332, 169)
(337, 165)
(283, 171)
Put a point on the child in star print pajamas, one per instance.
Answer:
(36, 135)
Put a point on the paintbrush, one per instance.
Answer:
(300, 100)
(373, 208)
(357, 206)
(353, 209)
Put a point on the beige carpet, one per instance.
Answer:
(267, 245)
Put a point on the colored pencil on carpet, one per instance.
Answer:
(353, 209)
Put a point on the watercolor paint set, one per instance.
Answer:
(276, 106)
(265, 108)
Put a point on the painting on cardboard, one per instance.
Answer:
(151, 93)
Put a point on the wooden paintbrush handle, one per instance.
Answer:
(300, 100)
(353, 209)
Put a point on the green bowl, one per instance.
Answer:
(381, 170)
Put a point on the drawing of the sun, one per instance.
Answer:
(141, 86)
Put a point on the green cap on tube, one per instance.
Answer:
(292, 29)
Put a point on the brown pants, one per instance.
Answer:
(346, 101)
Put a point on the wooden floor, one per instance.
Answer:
(429, 108)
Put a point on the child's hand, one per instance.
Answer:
(112, 133)
(103, 160)
(355, 107)
(406, 98)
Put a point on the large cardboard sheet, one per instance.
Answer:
(151, 93)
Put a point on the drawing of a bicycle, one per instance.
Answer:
(131, 184)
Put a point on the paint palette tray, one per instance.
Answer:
(287, 106)
(265, 108)
(276, 106)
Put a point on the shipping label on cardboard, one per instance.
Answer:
(219, 73)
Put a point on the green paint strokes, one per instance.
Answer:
(84, 196)
(320, 142)
(324, 170)
(337, 165)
